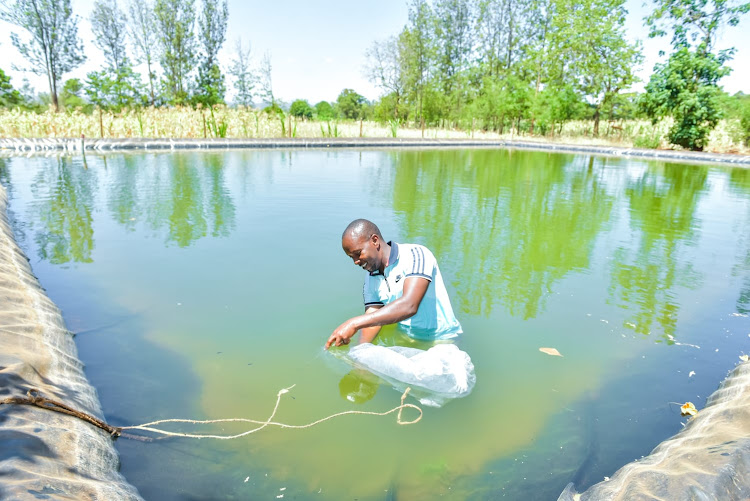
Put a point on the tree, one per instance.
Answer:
(350, 104)
(419, 48)
(144, 36)
(54, 47)
(324, 111)
(301, 108)
(687, 85)
(174, 25)
(745, 123)
(8, 95)
(70, 97)
(266, 80)
(109, 23)
(385, 68)
(117, 90)
(603, 62)
(212, 34)
(241, 72)
(454, 22)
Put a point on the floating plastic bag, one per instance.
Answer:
(436, 375)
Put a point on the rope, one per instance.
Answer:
(33, 398)
(269, 422)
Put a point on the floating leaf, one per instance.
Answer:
(688, 409)
(550, 351)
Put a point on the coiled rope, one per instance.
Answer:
(33, 398)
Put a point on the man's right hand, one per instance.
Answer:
(341, 335)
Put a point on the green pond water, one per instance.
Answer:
(201, 283)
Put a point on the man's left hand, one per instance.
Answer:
(342, 335)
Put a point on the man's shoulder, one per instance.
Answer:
(408, 247)
(414, 251)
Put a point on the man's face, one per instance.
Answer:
(365, 252)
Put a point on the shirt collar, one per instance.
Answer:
(392, 258)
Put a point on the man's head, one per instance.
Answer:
(363, 242)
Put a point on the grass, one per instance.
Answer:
(248, 123)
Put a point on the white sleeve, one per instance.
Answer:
(423, 263)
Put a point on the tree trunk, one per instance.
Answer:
(53, 90)
(597, 114)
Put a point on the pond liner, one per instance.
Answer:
(44, 454)
(709, 459)
(74, 145)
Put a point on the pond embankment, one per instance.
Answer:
(72, 145)
(45, 454)
(708, 459)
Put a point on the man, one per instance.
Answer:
(403, 286)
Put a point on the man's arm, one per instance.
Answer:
(402, 308)
(370, 333)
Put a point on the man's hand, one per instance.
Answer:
(341, 335)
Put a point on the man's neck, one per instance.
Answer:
(386, 249)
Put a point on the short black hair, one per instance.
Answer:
(361, 227)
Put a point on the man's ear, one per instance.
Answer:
(375, 241)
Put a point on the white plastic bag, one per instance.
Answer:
(436, 375)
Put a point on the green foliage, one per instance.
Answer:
(350, 104)
(174, 25)
(212, 33)
(745, 123)
(301, 108)
(275, 110)
(70, 96)
(687, 85)
(109, 25)
(108, 91)
(647, 137)
(217, 129)
(54, 47)
(9, 96)
(686, 88)
(734, 106)
(142, 26)
(210, 88)
(393, 126)
(324, 111)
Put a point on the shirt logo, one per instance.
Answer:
(399, 277)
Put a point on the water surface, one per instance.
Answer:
(202, 283)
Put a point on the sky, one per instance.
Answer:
(318, 48)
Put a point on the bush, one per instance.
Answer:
(649, 138)
(745, 123)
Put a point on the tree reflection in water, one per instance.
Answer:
(513, 224)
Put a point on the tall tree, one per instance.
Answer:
(144, 37)
(108, 23)
(117, 85)
(686, 87)
(385, 68)
(600, 61)
(454, 23)
(418, 44)
(242, 73)
(174, 25)
(265, 76)
(212, 34)
(54, 47)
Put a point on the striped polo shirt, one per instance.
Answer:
(434, 318)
